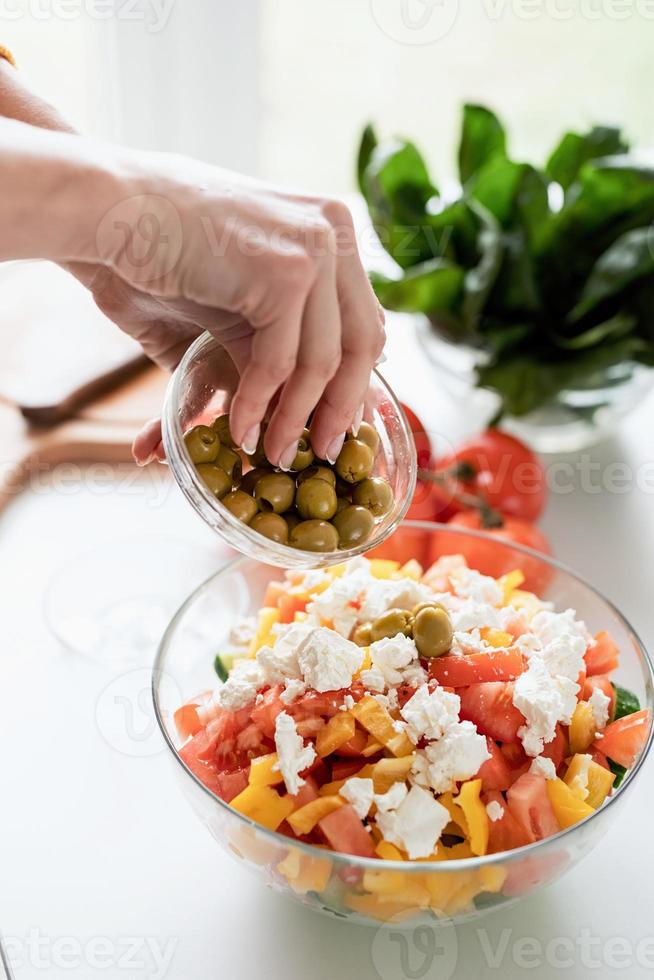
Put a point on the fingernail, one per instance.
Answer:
(287, 457)
(358, 419)
(145, 461)
(334, 448)
(250, 440)
(381, 359)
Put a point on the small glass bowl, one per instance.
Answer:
(201, 389)
(364, 890)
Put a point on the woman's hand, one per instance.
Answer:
(276, 277)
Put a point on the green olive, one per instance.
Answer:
(221, 427)
(355, 461)
(292, 518)
(202, 444)
(272, 526)
(427, 604)
(252, 477)
(276, 492)
(231, 462)
(354, 525)
(432, 632)
(375, 494)
(315, 536)
(305, 455)
(343, 489)
(391, 623)
(315, 499)
(368, 433)
(215, 478)
(342, 503)
(362, 635)
(318, 473)
(241, 505)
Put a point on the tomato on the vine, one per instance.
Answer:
(432, 501)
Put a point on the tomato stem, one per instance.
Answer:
(490, 517)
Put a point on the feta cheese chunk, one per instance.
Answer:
(339, 603)
(293, 755)
(470, 584)
(391, 799)
(543, 700)
(358, 792)
(245, 679)
(328, 661)
(458, 755)
(429, 714)
(294, 689)
(373, 680)
(416, 824)
(384, 594)
(494, 810)
(473, 615)
(391, 655)
(280, 663)
(599, 703)
(542, 766)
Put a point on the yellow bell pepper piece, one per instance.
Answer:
(372, 747)
(386, 772)
(261, 771)
(372, 716)
(458, 851)
(457, 816)
(366, 663)
(304, 873)
(589, 781)
(441, 886)
(475, 814)
(526, 601)
(383, 567)
(509, 583)
(398, 887)
(376, 908)
(264, 805)
(305, 819)
(411, 569)
(568, 808)
(582, 728)
(492, 877)
(337, 731)
(496, 638)
(268, 616)
(389, 852)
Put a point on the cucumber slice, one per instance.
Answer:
(618, 771)
(220, 668)
(626, 703)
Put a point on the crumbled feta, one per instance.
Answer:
(373, 680)
(429, 714)
(416, 824)
(339, 603)
(348, 703)
(473, 615)
(528, 645)
(242, 633)
(293, 755)
(548, 626)
(543, 700)
(542, 766)
(389, 701)
(494, 810)
(564, 656)
(458, 755)
(599, 703)
(384, 594)
(240, 688)
(358, 792)
(470, 584)
(328, 661)
(466, 643)
(280, 662)
(294, 689)
(391, 799)
(391, 655)
(438, 576)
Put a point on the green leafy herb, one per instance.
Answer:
(626, 702)
(220, 669)
(618, 771)
(559, 295)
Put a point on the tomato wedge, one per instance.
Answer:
(205, 772)
(603, 682)
(264, 714)
(490, 706)
(530, 805)
(344, 832)
(506, 833)
(558, 748)
(289, 605)
(495, 773)
(477, 668)
(230, 784)
(603, 657)
(624, 738)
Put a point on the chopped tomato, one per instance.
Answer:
(624, 738)
(603, 682)
(273, 593)
(490, 706)
(558, 748)
(598, 757)
(421, 437)
(314, 704)
(307, 793)
(530, 805)
(289, 605)
(203, 770)
(475, 668)
(491, 557)
(495, 773)
(309, 727)
(186, 720)
(344, 768)
(230, 784)
(264, 714)
(506, 833)
(344, 832)
(355, 745)
(514, 754)
(603, 657)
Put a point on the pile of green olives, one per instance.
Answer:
(428, 624)
(315, 506)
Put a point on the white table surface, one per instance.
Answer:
(103, 866)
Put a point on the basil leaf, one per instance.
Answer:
(431, 287)
(630, 257)
(574, 150)
(366, 146)
(482, 138)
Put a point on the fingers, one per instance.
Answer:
(147, 445)
(319, 355)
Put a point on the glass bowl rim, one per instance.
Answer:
(173, 437)
(379, 864)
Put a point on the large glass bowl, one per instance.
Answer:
(366, 890)
(202, 387)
